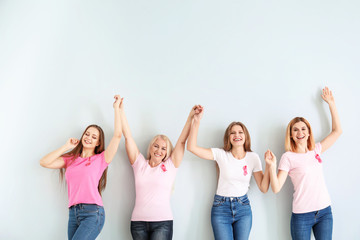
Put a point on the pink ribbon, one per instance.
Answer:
(318, 158)
(245, 170)
(163, 168)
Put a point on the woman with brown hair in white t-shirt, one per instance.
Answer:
(302, 162)
(231, 215)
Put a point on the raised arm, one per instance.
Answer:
(114, 142)
(54, 160)
(130, 145)
(192, 146)
(277, 181)
(263, 180)
(178, 151)
(336, 130)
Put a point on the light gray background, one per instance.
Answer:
(259, 62)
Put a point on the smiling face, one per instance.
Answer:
(158, 150)
(300, 133)
(237, 136)
(90, 138)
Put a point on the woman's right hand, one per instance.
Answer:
(71, 143)
(270, 158)
(198, 112)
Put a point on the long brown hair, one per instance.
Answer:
(290, 144)
(227, 144)
(78, 150)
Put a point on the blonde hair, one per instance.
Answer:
(227, 144)
(169, 146)
(290, 143)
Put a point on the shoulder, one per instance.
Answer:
(318, 148)
(252, 155)
(219, 153)
(169, 162)
(140, 160)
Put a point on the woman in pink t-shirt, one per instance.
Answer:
(154, 177)
(302, 162)
(231, 215)
(85, 172)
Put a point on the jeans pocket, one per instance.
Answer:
(90, 208)
(218, 202)
(244, 201)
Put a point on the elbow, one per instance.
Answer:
(117, 135)
(276, 190)
(189, 148)
(43, 164)
(264, 190)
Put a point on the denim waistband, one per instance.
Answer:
(231, 199)
(82, 205)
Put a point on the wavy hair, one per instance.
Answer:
(73, 154)
(290, 144)
(227, 144)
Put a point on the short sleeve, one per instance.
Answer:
(217, 153)
(66, 159)
(257, 163)
(284, 163)
(104, 164)
(169, 163)
(139, 161)
(318, 148)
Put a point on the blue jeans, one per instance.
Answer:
(162, 230)
(231, 218)
(320, 221)
(85, 221)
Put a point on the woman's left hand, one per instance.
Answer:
(327, 95)
(118, 101)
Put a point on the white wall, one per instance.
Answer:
(259, 62)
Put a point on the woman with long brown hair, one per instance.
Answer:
(85, 169)
(231, 215)
(311, 208)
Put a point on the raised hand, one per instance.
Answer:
(72, 142)
(327, 95)
(118, 101)
(270, 158)
(198, 112)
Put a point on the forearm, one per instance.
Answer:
(117, 123)
(185, 132)
(264, 186)
(336, 126)
(125, 125)
(51, 157)
(275, 186)
(192, 141)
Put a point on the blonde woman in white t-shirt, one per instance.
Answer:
(231, 215)
(302, 162)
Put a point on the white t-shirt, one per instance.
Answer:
(235, 174)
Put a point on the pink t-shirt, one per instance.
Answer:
(306, 173)
(82, 177)
(153, 189)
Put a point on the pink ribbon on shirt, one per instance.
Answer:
(245, 170)
(163, 168)
(318, 158)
